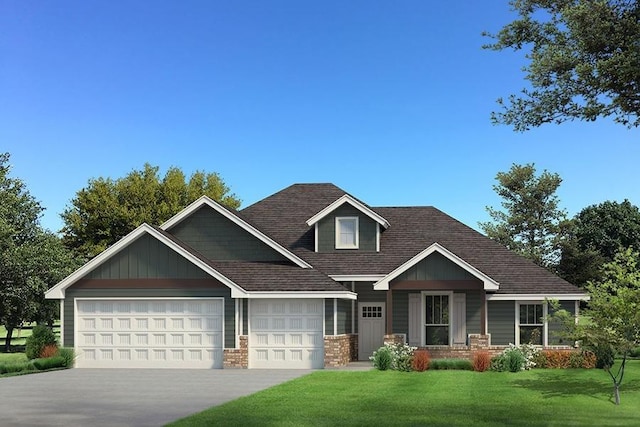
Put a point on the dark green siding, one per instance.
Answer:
(328, 316)
(217, 238)
(229, 305)
(435, 267)
(555, 326)
(344, 316)
(474, 301)
(367, 294)
(502, 322)
(327, 230)
(147, 258)
(401, 312)
(245, 316)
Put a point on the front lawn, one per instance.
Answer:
(436, 398)
(12, 358)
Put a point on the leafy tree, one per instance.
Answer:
(583, 61)
(31, 259)
(597, 234)
(611, 323)
(107, 210)
(531, 223)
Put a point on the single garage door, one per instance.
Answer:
(149, 333)
(286, 334)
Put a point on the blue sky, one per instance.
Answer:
(388, 100)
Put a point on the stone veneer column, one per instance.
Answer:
(237, 357)
(338, 350)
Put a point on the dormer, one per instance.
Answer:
(347, 225)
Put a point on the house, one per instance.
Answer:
(309, 277)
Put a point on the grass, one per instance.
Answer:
(19, 338)
(544, 397)
(12, 358)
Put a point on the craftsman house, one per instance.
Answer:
(309, 277)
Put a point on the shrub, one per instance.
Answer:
(68, 355)
(588, 360)
(516, 361)
(382, 358)
(498, 363)
(11, 368)
(605, 356)
(540, 359)
(481, 361)
(515, 358)
(49, 350)
(401, 357)
(451, 364)
(41, 336)
(558, 358)
(421, 360)
(635, 352)
(49, 363)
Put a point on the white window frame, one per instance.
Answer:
(339, 244)
(544, 324)
(424, 316)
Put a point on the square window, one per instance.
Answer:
(347, 232)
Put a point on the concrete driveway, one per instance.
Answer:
(125, 397)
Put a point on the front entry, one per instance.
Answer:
(371, 326)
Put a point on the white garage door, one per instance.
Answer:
(286, 334)
(149, 333)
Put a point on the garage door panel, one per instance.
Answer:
(150, 333)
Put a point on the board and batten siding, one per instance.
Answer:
(474, 301)
(327, 230)
(435, 267)
(501, 317)
(400, 312)
(147, 258)
(344, 316)
(554, 326)
(229, 305)
(218, 238)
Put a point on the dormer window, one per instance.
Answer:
(347, 232)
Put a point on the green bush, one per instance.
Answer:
(11, 368)
(451, 364)
(516, 358)
(68, 355)
(41, 336)
(605, 356)
(515, 361)
(49, 363)
(382, 358)
(635, 352)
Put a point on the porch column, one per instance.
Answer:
(389, 313)
(483, 313)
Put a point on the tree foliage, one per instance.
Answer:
(531, 223)
(598, 232)
(583, 61)
(31, 259)
(612, 320)
(107, 209)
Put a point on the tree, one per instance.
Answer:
(31, 259)
(597, 234)
(611, 323)
(532, 224)
(584, 61)
(107, 210)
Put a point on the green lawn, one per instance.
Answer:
(12, 358)
(436, 398)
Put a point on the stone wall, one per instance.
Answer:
(237, 357)
(339, 350)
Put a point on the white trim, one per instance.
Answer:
(576, 311)
(335, 316)
(301, 295)
(423, 316)
(353, 309)
(488, 282)
(536, 297)
(61, 323)
(356, 277)
(58, 291)
(356, 231)
(204, 200)
(237, 320)
(353, 202)
(377, 237)
(315, 238)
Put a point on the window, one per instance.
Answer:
(531, 323)
(437, 320)
(347, 233)
(371, 311)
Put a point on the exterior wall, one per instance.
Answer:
(339, 350)
(344, 316)
(474, 301)
(237, 357)
(435, 267)
(327, 231)
(328, 316)
(400, 312)
(71, 293)
(216, 237)
(147, 258)
(555, 326)
(501, 318)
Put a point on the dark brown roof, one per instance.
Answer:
(283, 216)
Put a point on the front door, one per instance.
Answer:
(371, 326)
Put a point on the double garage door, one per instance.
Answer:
(149, 333)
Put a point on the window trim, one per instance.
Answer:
(423, 315)
(340, 245)
(544, 324)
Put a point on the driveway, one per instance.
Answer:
(125, 397)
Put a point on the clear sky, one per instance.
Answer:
(389, 100)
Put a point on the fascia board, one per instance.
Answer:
(537, 297)
(204, 200)
(294, 294)
(357, 277)
(488, 283)
(58, 291)
(353, 202)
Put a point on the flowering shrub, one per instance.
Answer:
(401, 356)
(515, 358)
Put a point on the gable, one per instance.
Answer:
(326, 236)
(218, 238)
(435, 267)
(147, 258)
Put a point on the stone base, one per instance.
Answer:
(339, 350)
(237, 357)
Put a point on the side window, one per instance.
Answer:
(347, 232)
(531, 324)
